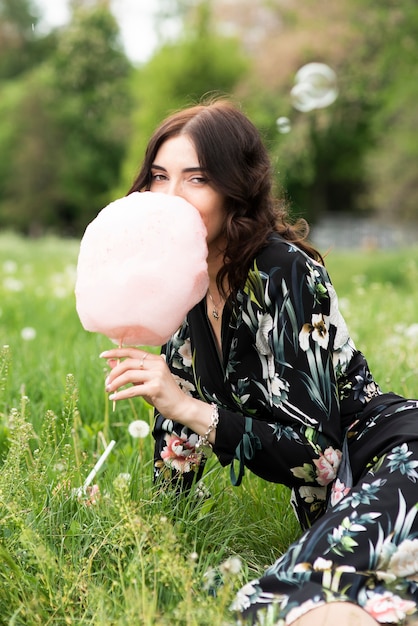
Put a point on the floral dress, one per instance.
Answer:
(299, 406)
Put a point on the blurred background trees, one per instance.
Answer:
(75, 113)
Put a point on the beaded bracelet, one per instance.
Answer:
(203, 444)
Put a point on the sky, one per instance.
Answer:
(134, 18)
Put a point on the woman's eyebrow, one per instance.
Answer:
(186, 169)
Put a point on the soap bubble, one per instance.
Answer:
(283, 125)
(315, 87)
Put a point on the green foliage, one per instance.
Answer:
(358, 154)
(133, 552)
(181, 74)
(20, 47)
(391, 165)
(68, 130)
(75, 116)
(89, 73)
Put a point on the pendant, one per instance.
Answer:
(215, 314)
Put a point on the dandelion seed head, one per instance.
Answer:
(28, 333)
(231, 566)
(12, 284)
(139, 429)
(60, 292)
(9, 266)
(122, 480)
(202, 491)
(412, 331)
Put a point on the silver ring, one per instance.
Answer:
(141, 365)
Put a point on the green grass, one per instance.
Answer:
(139, 555)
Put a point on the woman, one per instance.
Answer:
(264, 372)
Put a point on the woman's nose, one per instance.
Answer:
(175, 188)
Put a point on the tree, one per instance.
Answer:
(73, 128)
(199, 63)
(391, 66)
(21, 47)
(359, 155)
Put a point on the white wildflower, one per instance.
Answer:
(139, 429)
(231, 566)
(9, 266)
(28, 333)
(60, 292)
(412, 331)
(12, 284)
(122, 481)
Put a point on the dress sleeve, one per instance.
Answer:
(175, 458)
(277, 397)
(292, 434)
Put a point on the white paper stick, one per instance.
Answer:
(99, 464)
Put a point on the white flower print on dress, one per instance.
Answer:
(278, 389)
(339, 490)
(302, 609)
(320, 564)
(404, 562)
(305, 472)
(388, 608)
(327, 466)
(400, 461)
(312, 494)
(179, 453)
(265, 326)
(342, 336)
(325, 470)
(341, 358)
(185, 352)
(184, 385)
(317, 329)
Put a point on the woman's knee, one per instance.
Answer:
(340, 613)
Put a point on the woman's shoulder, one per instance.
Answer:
(280, 253)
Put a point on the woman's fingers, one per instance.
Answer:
(123, 353)
(128, 371)
(136, 372)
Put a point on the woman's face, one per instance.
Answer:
(176, 170)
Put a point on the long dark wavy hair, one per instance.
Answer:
(231, 151)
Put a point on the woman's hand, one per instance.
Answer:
(148, 377)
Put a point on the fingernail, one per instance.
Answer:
(102, 354)
(112, 396)
(107, 382)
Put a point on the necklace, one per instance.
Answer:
(215, 312)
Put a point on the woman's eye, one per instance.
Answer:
(199, 180)
(158, 177)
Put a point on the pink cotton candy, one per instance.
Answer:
(141, 268)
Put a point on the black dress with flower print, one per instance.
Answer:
(299, 406)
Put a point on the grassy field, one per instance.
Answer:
(132, 553)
